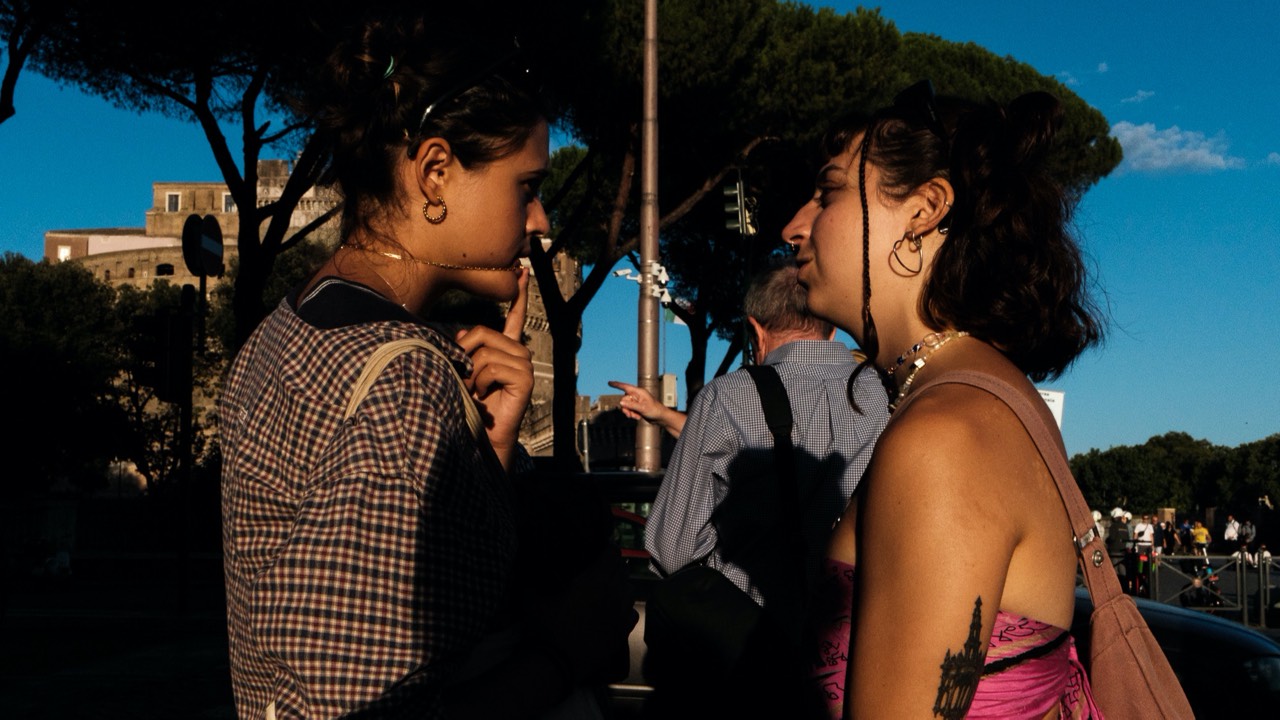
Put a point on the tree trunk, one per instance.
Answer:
(695, 372)
(564, 400)
(735, 348)
(251, 281)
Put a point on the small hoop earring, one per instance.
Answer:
(916, 244)
(426, 211)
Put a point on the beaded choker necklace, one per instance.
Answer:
(446, 266)
(903, 357)
(932, 341)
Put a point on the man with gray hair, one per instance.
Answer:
(723, 466)
(758, 516)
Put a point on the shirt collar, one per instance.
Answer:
(810, 351)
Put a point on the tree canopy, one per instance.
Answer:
(1175, 470)
(74, 343)
(745, 87)
(230, 65)
(59, 348)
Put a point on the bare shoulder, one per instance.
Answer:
(953, 449)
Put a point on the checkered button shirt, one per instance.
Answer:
(363, 557)
(726, 444)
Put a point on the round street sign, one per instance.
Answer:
(202, 245)
(211, 245)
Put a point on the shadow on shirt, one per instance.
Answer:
(756, 532)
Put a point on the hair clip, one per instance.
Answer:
(391, 67)
(917, 104)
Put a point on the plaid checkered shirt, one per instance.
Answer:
(365, 557)
(726, 447)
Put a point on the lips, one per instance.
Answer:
(801, 265)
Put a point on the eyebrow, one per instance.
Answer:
(825, 175)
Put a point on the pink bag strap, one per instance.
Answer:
(1099, 575)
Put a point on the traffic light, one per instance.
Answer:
(733, 206)
(738, 209)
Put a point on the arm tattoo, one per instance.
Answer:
(961, 672)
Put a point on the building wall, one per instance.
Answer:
(201, 198)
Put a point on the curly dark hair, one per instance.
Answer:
(1009, 272)
(372, 93)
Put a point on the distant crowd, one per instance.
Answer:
(1137, 546)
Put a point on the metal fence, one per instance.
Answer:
(1238, 586)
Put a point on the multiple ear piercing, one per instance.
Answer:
(916, 243)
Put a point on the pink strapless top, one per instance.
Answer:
(1031, 667)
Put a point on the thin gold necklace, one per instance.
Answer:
(433, 263)
(933, 341)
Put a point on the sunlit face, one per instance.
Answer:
(494, 211)
(827, 233)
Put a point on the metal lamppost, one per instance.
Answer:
(648, 435)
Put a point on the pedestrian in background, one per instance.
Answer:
(1200, 538)
(1248, 533)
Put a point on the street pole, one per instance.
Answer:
(648, 435)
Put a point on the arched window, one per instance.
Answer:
(164, 269)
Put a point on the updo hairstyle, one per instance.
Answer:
(1008, 271)
(370, 101)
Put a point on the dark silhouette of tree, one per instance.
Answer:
(232, 64)
(744, 87)
(60, 353)
(22, 27)
(1083, 150)
(154, 427)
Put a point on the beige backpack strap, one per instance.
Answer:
(384, 354)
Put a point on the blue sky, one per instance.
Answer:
(1184, 237)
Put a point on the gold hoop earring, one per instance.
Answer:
(916, 247)
(426, 211)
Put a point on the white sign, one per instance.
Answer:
(1054, 399)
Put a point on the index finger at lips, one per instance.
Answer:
(483, 337)
(514, 326)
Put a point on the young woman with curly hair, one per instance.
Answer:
(937, 239)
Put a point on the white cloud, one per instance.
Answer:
(1142, 95)
(1067, 78)
(1273, 158)
(1102, 67)
(1147, 149)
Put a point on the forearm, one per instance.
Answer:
(670, 420)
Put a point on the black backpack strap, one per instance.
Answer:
(777, 415)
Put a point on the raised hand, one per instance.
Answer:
(638, 404)
(501, 378)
